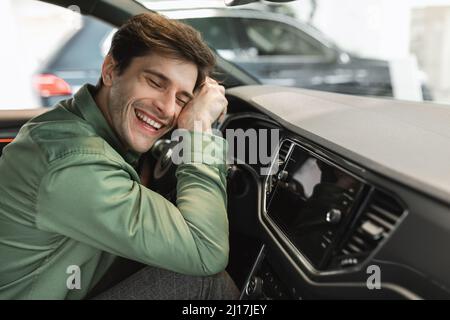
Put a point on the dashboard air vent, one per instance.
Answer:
(378, 219)
(284, 150)
(281, 158)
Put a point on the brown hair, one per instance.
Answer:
(152, 32)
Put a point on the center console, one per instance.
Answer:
(311, 201)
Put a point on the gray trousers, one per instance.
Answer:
(152, 283)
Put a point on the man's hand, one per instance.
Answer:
(209, 103)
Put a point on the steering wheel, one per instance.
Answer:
(161, 168)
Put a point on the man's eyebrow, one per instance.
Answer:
(162, 77)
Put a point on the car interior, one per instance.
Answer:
(348, 191)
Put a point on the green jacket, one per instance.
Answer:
(70, 196)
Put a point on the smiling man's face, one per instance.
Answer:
(144, 102)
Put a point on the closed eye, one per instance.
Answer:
(182, 102)
(153, 83)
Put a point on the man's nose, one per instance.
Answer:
(166, 103)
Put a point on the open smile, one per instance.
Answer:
(148, 122)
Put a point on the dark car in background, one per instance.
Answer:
(274, 48)
(280, 50)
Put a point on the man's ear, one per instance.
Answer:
(108, 70)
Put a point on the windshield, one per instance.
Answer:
(369, 48)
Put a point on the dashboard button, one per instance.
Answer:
(348, 262)
(254, 287)
(334, 216)
(282, 175)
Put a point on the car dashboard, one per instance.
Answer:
(315, 224)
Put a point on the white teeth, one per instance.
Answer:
(149, 121)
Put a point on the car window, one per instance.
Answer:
(83, 51)
(398, 51)
(219, 33)
(275, 38)
(49, 51)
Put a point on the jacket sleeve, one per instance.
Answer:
(93, 199)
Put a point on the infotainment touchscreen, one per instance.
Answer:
(311, 202)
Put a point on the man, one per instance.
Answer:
(71, 201)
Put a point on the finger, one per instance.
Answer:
(207, 81)
(199, 88)
(210, 80)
